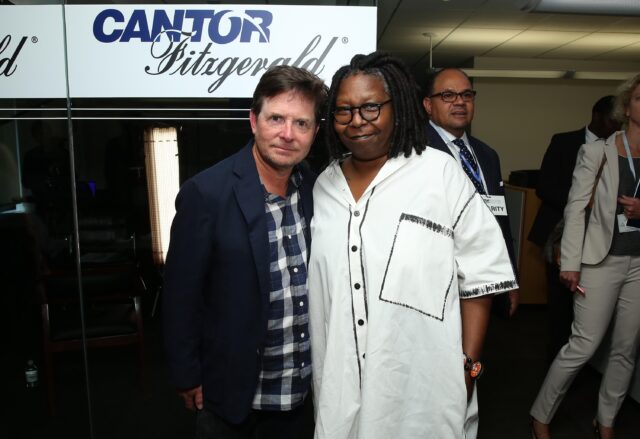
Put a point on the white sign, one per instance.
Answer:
(185, 51)
(32, 52)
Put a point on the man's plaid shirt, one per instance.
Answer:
(286, 363)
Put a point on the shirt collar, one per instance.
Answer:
(391, 166)
(448, 138)
(295, 180)
(589, 136)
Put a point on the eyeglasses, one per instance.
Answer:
(369, 112)
(451, 96)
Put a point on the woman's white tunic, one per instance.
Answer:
(385, 278)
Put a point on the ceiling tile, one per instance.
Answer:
(585, 23)
(504, 18)
(476, 41)
(625, 24)
(533, 43)
(628, 53)
(593, 45)
(463, 29)
(413, 36)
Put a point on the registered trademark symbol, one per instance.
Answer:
(34, 39)
(345, 40)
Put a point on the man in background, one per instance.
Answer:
(450, 105)
(235, 308)
(553, 187)
(449, 102)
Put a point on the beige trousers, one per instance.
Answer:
(612, 291)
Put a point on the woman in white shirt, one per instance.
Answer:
(399, 236)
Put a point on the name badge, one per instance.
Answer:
(496, 204)
(622, 225)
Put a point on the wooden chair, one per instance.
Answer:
(112, 295)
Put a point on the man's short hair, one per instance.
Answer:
(282, 79)
(433, 74)
(604, 105)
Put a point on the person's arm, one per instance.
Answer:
(555, 174)
(482, 261)
(192, 398)
(185, 275)
(571, 279)
(514, 295)
(475, 319)
(584, 177)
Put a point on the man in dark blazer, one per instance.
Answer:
(553, 187)
(449, 102)
(449, 121)
(235, 309)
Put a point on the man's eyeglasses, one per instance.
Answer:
(369, 112)
(451, 96)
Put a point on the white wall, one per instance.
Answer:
(517, 117)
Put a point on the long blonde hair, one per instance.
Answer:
(623, 98)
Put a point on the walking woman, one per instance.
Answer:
(602, 267)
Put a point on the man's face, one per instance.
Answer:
(454, 116)
(284, 130)
(602, 124)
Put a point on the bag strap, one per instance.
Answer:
(595, 183)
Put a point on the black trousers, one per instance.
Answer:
(261, 424)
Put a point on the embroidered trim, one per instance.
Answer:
(364, 278)
(491, 288)
(463, 209)
(438, 228)
(444, 303)
(353, 311)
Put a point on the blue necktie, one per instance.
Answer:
(469, 165)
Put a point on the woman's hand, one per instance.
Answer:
(631, 206)
(192, 398)
(571, 279)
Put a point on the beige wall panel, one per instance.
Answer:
(518, 116)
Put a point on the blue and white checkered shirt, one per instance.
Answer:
(285, 375)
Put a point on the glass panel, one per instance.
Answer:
(40, 280)
(79, 204)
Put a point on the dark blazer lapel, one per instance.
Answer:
(250, 197)
(435, 141)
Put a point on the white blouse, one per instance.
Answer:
(385, 277)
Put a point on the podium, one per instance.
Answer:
(522, 205)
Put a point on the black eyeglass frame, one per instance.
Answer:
(359, 108)
(471, 93)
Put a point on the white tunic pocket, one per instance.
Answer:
(419, 271)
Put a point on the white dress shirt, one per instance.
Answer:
(589, 136)
(448, 139)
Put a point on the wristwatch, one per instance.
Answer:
(474, 368)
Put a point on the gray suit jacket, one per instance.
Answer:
(593, 246)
